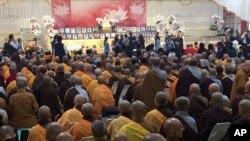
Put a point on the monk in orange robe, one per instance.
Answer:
(73, 115)
(107, 73)
(83, 127)
(86, 80)
(80, 69)
(6, 71)
(38, 132)
(122, 120)
(10, 87)
(103, 96)
(29, 75)
(94, 84)
(161, 113)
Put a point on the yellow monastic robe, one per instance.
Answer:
(6, 71)
(104, 98)
(91, 89)
(37, 133)
(69, 117)
(79, 73)
(29, 75)
(81, 129)
(116, 125)
(134, 131)
(86, 80)
(107, 75)
(156, 117)
(10, 87)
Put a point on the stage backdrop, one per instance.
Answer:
(82, 13)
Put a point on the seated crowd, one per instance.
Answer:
(151, 97)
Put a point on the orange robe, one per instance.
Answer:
(156, 117)
(143, 69)
(81, 129)
(79, 73)
(116, 125)
(10, 87)
(172, 94)
(6, 71)
(91, 89)
(104, 98)
(66, 67)
(29, 75)
(86, 80)
(37, 133)
(107, 75)
(69, 117)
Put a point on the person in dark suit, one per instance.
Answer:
(59, 48)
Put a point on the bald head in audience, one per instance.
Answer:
(173, 129)
(79, 100)
(124, 108)
(154, 137)
(244, 108)
(87, 110)
(194, 89)
(99, 130)
(53, 130)
(7, 133)
(64, 136)
(98, 72)
(101, 80)
(214, 87)
(217, 99)
(138, 106)
(161, 99)
(44, 113)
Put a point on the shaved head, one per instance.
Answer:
(124, 107)
(101, 79)
(214, 87)
(53, 130)
(6, 132)
(194, 88)
(44, 113)
(244, 108)
(154, 137)
(64, 136)
(79, 100)
(138, 110)
(98, 72)
(80, 66)
(173, 128)
(98, 129)
(246, 67)
(87, 109)
(88, 68)
(161, 98)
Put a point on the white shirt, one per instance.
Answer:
(83, 92)
(12, 43)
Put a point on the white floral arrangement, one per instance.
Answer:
(99, 20)
(171, 18)
(35, 27)
(49, 23)
(171, 26)
(218, 23)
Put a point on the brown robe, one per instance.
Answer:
(151, 85)
(240, 80)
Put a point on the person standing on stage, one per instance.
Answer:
(53, 44)
(106, 46)
(157, 41)
(59, 48)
